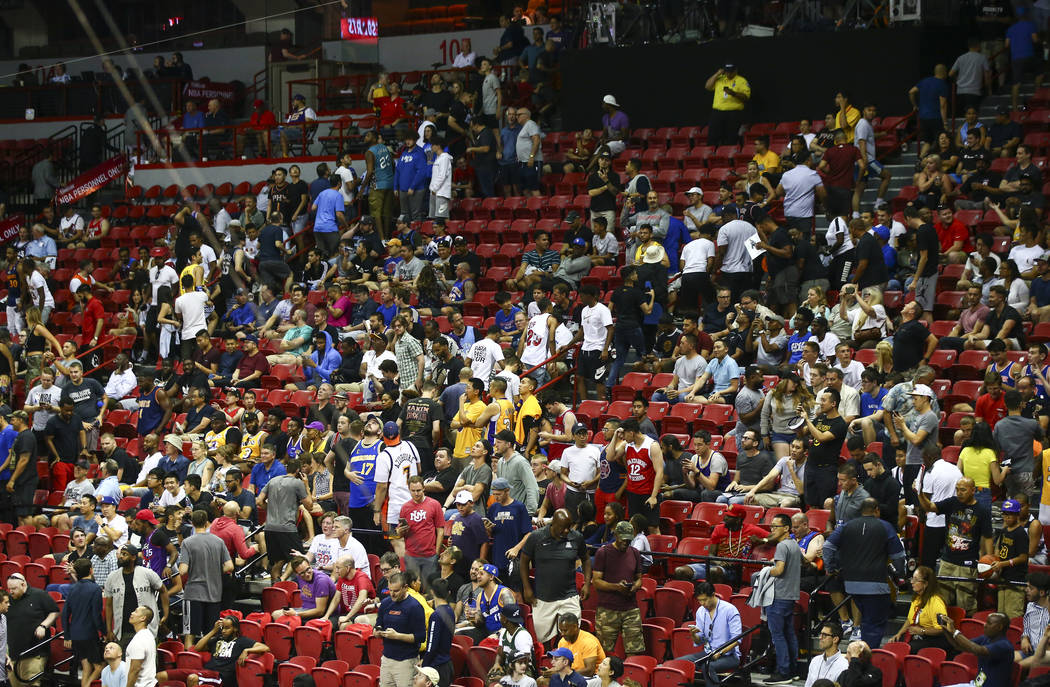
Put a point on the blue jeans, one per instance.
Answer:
(712, 668)
(660, 397)
(780, 615)
(984, 497)
(62, 589)
(874, 613)
(623, 341)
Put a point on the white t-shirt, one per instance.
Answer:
(1025, 257)
(191, 306)
(870, 322)
(851, 373)
(896, 231)
(394, 465)
(161, 276)
(827, 346)
(513, 382)
(67, 226)
(939, 483)
(120, 525)
(973, 265)
(166, 499)
(143, 647)
(595, 320)
(582, 463)
(208, 257)
(695, 255)
(347, 174)
(354, 549)
(483, 356)
(323, 548)
(734, 235)
(37, 281)
(38, 395)
(839, 226)
(799, 184)
(864, 132)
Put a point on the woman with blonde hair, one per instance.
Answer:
(817, 302)
(884, 359)
(778, 409)
(868, 324)
(933, 184)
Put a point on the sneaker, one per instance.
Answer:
(779, 679)
(847, 628)
(880, 203)
(855, 636)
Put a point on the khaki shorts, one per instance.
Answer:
(545, 615)
(28, 667)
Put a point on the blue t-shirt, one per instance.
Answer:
(795, 345)
(506, 322)
(363, 461)
(269, 237)
(999, 662)
(1040, 291)
(512, 522)
(317, 186)
(610, 475)
(7, 440)
(677, 236)
(869, 405)
(573, 679)
(329, 202)
(1020, 37)
(931, 90)
(387, 312)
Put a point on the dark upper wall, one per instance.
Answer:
(792, 76)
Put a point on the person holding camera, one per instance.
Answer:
(731, 94)
(995, 653)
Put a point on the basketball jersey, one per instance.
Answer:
(490, 608)
(250, 446)
(215, 440)
(505, 419)
(295, 446)
(14, 287)
(363, 461)
(1040, 390)
(537, 348)
(188, 269)
(94, 228)
(556, 448)
(640, 471)
(1004, 373)
(150, 412)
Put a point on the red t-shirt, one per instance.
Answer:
(391, 110)
(737, 543)
(348, 590)
(841, 160)
(424, 519)
(990, 410)
(93, 312)
(956, 231)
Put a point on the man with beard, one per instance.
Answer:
(360, 470)
(228, 649)
(148, 589)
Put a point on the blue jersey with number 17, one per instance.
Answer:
(363, 462)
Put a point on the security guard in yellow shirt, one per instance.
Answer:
(731, 93)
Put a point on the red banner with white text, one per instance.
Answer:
(9, 227)
(92, 180)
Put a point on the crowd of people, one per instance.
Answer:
(337, 370)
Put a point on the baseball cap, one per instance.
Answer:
(729, 66)
(922, 390)
(506, 435)
(459, 240)
(500, 483)
(340, 395)
(234, 222)
(109, 501)
(147, 515)
(735, 511)
(21, 415)
(252, 337)
(299, 96)
(391, 430)
(367, 219)
(572, 216)
(624, 531)
(257, 103)
(752, 369)
(696, 189)
(464, 496)
(1045, 257)
(316, 425)
(1003, 110)
(241, 291)
(431, 674)
(1011, 506)
(83, 465)
(882, 232)
(555, 465)
(158, 252)
(605, 153)
(491, 569)
(610, 100)
(402, 219)
(5, 411)
(579, 427)
(579, 241)
(393, 243)
(131, 548)
(561, 652)
(512, 612)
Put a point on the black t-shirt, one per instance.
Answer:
(556, 558)
(875, 273)
(85, 398)
(128, 464)
(812, 267)
(826, 453)
(470, 258)
(441, 101)
(995, 322)
(342, 448)
(779, 239)
(224, 655)
(295, 193)
(986, 178)
(65, 436)
(967, 525)
(486, 161)
(584, 232)
(25, 442)
(1011, 544)
(969, 156)
(627, 301)
(887, 491)
(665, 342)
(909, 343)
(325, 416)
(606, 200)
(926, 239)
(23, 617)
(280, 200)
(417, 421)
(715, 319)
(447, 478)
(131, 602)
(268, 238)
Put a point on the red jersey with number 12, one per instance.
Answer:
(640, 471)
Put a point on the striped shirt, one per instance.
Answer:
(545, 262)
(102, 567)
(1036, 618)
(406, 351)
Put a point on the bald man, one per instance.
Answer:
(968, 537)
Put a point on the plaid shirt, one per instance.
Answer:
(1036, 619)
(406, 351)
(102, 567)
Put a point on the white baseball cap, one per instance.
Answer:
(610, 100)
(696, 190)
(922, 390)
